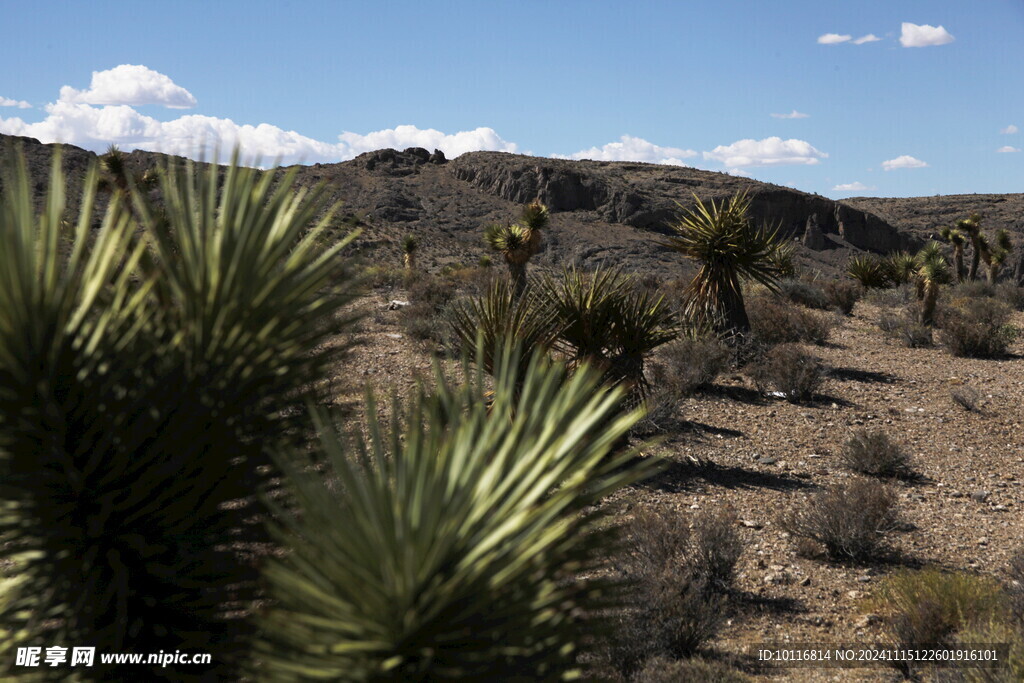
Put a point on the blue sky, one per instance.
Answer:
(931, 90)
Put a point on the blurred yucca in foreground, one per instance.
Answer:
(145, 371)
(453, 543)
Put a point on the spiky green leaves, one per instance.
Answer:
(869, 270)
(511, 241)
(730, 248)
(454, 545)
(142, 375)
(410, 244)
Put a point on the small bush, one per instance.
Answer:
(678, 576)
(715, 548)
(928, 606)
(691, 363)
(790, 370)
(842, 295)
(965, 397)
(976, 329)
(697, 670)
(896, 297)
(1011, 669)
(775, 321)
(803, 293)
(1010, 294)
(848, 521)
(972, 289)
(874, 453)
(905, 327)
(1015, 586)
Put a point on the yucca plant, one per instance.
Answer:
(500, 314)
(456, 544)
(729, 248)
(958, 239)
(128, 421)
(932, 271)
(518, 242)
(869, 270)
(409, 247)
(607, 321)
(901, 267)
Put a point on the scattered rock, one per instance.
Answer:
(395, 304)
(980, 495)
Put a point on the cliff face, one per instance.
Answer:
(645, 196)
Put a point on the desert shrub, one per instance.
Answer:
(791, 371)
(426, 316)
(926, 607)
(383, 277)
(905, 327)
(972, 289)
(1015, 585)
(1010, 294)
(776, 321)
(678, 577)
(715, 548)
(842, 295)
(966, 397)
(976, 329)
(696, 669)
(896, 297)
(1011, 668)
(874, 453)
(462, 543)
(690, 363)
(847, 520)
(803, 293)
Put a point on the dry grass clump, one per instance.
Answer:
(790, 370)
(966, 397)
(874, 453)
(976, 328)
(691, 363)
(842, 295)
(847, 520)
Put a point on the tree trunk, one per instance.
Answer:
(975, 259)
(931, 297)
(993, 272)
(410, 261)
(734, 313)
(517, 272)
(958, 261)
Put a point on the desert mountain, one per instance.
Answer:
(602, 212)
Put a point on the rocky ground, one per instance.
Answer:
(734, 448)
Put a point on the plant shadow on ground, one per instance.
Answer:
(676, 477)
(865, 376)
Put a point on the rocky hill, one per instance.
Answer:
(602, 212)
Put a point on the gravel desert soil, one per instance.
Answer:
(736, 449)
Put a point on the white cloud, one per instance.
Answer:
(924, 35)
(791, 115)
(869, 38)
(1009, 130)
(20, 104)
(773, 151)
(195, 136)
(131, 84)
(630, 148)
(1007, 150)
(832, 39)
(904, 161)
(852, 187)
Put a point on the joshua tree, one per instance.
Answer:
(722, 237)
(409, 247)
(901, 267)
(972, 228)
(998, 255)
(518, 242)
(932, 271)
(957, 238)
